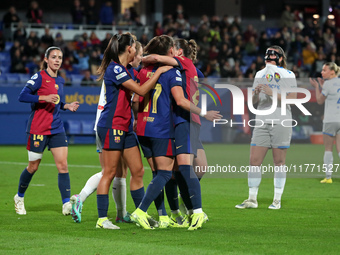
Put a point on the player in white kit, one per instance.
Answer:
(272, 131)
(327, 90)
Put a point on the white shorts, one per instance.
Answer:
(331, 128)
(272, 136)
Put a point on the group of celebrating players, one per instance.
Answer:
(155, 109)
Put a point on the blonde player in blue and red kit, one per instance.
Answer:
(114, 121)
(45, 128)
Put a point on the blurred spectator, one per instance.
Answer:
(157, 29)
(264, 43)
(250, 32)
(106, 14)
(10, 17)
(227, 70)
(105, 42)
(251, 47)
(94, 61)
(62, 73)
(279, 40)
(18, 62)
(180, 11)
(251, 71)
(318, 64)
(20, 33)
(237, 23)
(133, 14)
(95, 42)
(214, 35)
(87, 80)
(203, 30)
(225, 22)
(213, 52)
(287, 17)
(77, 12)
(91, 13)
(137, 22)
(59, 42)
(47, 39)
(144, 40)
(83, 61)
(16, 46)
(309, 56)
(34, 13)
(33, 36)
(30, 51)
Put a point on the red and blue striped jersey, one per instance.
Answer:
(45, 117)
(117, 110)
(133, 72)
(190, 89)
(155, 109)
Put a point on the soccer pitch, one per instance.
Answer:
(307, 223)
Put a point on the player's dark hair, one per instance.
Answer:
(43, 64)
(189, 48)
(283, 62)
(114, 49)
(333, 67)
(159, 45)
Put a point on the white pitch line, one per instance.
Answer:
(53, 165)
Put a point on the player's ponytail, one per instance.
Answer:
(189, 48)
(193, 45)
(43, 64)
(114, 49)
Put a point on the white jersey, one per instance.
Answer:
(331, 90)
(276, 77)
(101, 103)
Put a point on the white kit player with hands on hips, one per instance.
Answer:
(327, 90)
(269, 132)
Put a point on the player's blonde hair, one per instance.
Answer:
(333, 67)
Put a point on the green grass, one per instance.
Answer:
(308, 222)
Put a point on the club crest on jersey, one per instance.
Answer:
(34, 76)
(117, 139)
(57, 102)
(36, 144)
(277, 77)
(117, 69)
(269, 77)
(56, 87)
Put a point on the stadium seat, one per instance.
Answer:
(76, 79)
(271, 31)
(72, 127)
(24, 78)
(87, 127)
(13, 79)
(8, 46)
(3, 80)
(4, 69)
(5, 58)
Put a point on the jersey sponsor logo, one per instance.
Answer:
(178, 73)
(277, 77)
(118, 77)
(31, 82)
(34, 76)
(178, 79)
(56, 87)
(36, 144)
(269, 77)
(117, 69)
(117, 139)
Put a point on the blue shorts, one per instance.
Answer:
(38, 143)
(156, 147)
(187, 138)
(114, 139)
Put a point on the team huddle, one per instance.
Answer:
(156, 110)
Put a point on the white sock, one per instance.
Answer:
(119, 196)
(279, 181)
(90, 186)
(328, 160)
(199, 210)
(254, 180)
